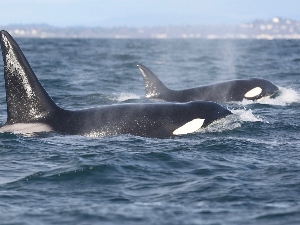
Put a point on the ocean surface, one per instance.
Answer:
(244, 169)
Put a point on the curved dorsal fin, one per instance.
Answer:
(27, 100)
(154, 88)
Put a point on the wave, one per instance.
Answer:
(233, 121)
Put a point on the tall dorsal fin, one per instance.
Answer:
(154, 88)
(27, 100)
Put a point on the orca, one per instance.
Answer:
(31, 110)
(233, 90)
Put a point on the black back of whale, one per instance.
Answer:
(29, 104)
(233, 90)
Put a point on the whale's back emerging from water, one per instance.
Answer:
(30, 109)
(234, 90)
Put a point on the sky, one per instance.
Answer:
(144, 13)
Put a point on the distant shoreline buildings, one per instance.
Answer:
(275, 28)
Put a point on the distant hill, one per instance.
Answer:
(275, 28)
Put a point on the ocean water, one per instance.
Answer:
(244, 169)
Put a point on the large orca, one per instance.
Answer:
(30, 109)
(233, 90)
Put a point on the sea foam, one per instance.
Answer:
(233, 121)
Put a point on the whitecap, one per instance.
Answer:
(233, 121)
(286, 97)
(246, 115)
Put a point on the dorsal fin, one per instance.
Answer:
(154, 88)
(27, 100)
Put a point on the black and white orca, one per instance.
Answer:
(233, 90)
(30, 109)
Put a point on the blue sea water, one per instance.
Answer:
(244, 169)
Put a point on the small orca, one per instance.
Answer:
(30, 109)
(233, 90)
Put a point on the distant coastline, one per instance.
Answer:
(275, 28)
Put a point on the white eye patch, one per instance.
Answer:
(254, 92)
(189, 127)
